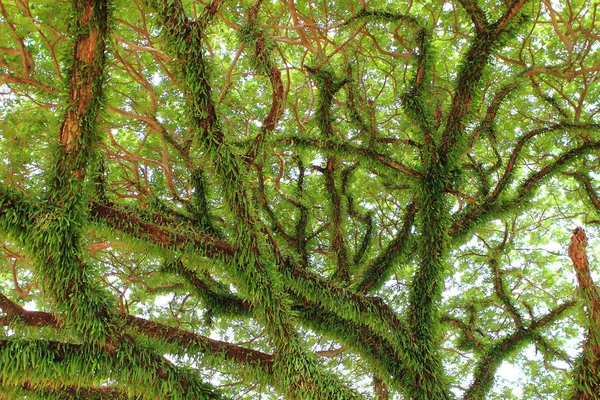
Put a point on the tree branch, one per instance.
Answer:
(487, 366)
(82, 364)
(190, 341)
(376, 272)
(587, 372)
(476, 14)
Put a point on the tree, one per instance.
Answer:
(358, 199)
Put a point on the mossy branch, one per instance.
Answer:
(366, 156)
(252, 35)
(493, 205)
(499, 285)
(83, 364)
(586, 182)
(413, 100)
(219, 301)
(52, 391)
(66, 280)
(587, 372)
(486, 125)
(329, 85)
(487, 366)
(310, 287)
(378, 270)
(197, 346)
(476, 14)
(474, 62)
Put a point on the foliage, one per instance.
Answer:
(330, 200)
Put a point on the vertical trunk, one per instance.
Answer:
(587, 378)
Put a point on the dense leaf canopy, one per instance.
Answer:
(310, 200)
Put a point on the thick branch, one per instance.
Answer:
(60, 392)
(587, 373)
(296, 370)
(474, 62)
(215, 349)
(306, 285)
(83, 364)
(55, 240)
(475, 13)
(164, 237)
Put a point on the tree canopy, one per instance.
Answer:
(304, 200)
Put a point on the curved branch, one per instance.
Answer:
(502, 295)
(587, 184)
(486, 125)
(471, 72)
(413, 100)
(465, 221)
(329, 86)
(254, 36)
(375, 273)
(349, 150)
(487, 366)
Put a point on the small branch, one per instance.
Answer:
(375, 273)
(502, 295)
(264, 64)
(331, 353)
(349, 150)
(465, 221)
(589, 189)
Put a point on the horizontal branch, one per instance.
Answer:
(349, 150)
(164, 237)
(15, 314)
(52, 391)
(136, 369)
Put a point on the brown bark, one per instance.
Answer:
(587, 379)
(155, 330)
(160, 235)
(381, 390)
(85, 88)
